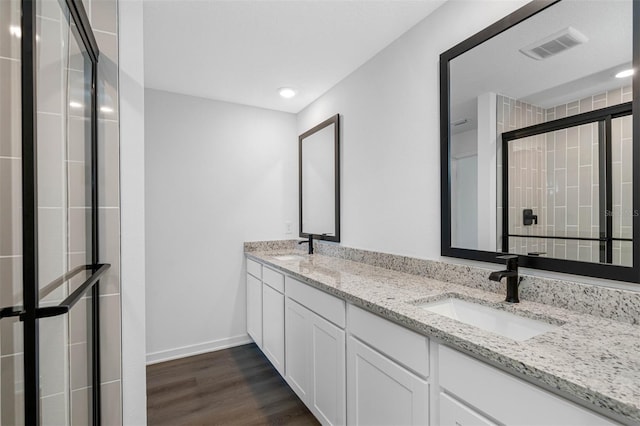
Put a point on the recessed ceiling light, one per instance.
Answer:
(625, 73)
(74, 104)
(287, 92)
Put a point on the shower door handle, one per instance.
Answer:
(66, 304)
(11, 311)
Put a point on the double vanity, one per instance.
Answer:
(537, 158)
(362, 344)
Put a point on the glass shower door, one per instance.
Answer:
(63, 146)
(51, 205)
(569, 188)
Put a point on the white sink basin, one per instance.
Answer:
(289, 257)
(496, 321)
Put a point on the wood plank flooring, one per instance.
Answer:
(236, 386)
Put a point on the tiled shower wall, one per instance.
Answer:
(622, 171)
(104, 21)
(568, 204)
(527, 170)
(63, 340)
(11, 359)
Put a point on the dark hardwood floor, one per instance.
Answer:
(236, 386)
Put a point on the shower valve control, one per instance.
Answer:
(528, 218)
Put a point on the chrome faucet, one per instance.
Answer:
(310, 242)
(511, 274)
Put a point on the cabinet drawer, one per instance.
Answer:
(453, 413)
(254, 268)
(401, 344)
(323, 304)
(274, 279)
(506, 398)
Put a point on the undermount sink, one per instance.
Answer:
(289, 257)
(489, 319)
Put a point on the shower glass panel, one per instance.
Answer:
(555, 176)
(64, 105)
(622, 204)
(49, 328)
(11, 329)
(569, 189)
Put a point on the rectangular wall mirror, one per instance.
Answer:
(538, 121)
(319, 180)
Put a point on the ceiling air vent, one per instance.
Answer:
(554, 44)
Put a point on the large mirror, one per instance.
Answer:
(319, 166)
(537, 127)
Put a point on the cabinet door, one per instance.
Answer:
(273, 327)
(315, 368)
(254, 309)
(381, 392)
(328, 371)
(297, 348)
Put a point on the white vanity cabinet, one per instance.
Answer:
(273, 318)
(350, 366)
(469, 387)
(315, 350)
(455, 413)
(265, 311)
(254, 301)
(273, 327)
(297, 337)
(387, 370)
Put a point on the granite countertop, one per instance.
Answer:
(589, 359)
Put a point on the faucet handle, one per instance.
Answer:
(512, 261)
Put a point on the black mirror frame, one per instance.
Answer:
(335, 120)
(597, 270)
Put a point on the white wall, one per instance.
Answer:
(464, 144)
(217, 174)
(464, 202)
(390, 143)
(487, 199)
(132, 166)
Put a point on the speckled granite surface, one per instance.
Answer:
(589, 358)
(605, 302)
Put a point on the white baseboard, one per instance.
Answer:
(200, 348)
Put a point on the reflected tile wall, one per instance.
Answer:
(12, 389)
(580, 157)
(11, 357)
(104, 20)
(569, 200)
(10, 110)
(622, 171)
(527, 171)
(572, 184)
(53, 224)
(11, 328)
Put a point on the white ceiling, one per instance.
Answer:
(498, 66)
(242, 51)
